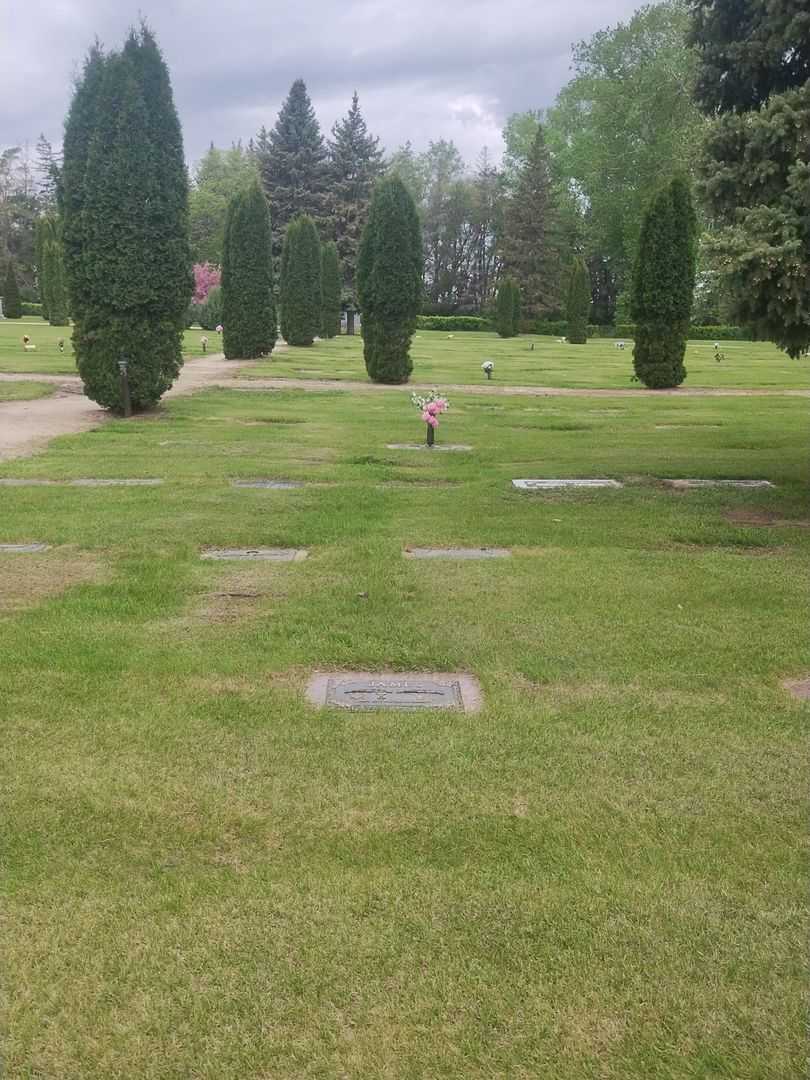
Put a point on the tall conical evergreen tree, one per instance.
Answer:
(664, 285)
(80, 125)
(389, 281)
(40, 238)
(301, 283)
(579, 302)
(130, 296)
(330, 290)
(53, 286)
(530, 242)
(505, 305)
(292, 163)
(12, 305)
(248, 314)
(355, 163)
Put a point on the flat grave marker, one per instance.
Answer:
(551, 485)
(23, 549)
(458, 447)
(694, 483)
(457, 553)
(271, 485)
(260, 554)
(361, 691)
(83, 482)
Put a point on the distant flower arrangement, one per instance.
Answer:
(219, 328)
(488, 367)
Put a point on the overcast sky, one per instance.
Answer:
(424, 69)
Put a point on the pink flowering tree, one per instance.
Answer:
(431, 406)
(206, 277)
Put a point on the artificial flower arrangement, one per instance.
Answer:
(488, 367)
(431, 406)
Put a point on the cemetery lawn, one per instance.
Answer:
(601, 874)
(440, 360)
(25, 391)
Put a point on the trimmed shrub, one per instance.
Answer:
(331, 286)
(33, 310)
(301, 282)
(579, 302)
(664, 285)
(12, 305)
(248, 309)
(389, 281)
(452, 323)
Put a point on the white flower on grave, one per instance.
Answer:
(488, 365)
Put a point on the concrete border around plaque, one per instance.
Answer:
(363, 691)
(555, 484)
(270, 485)
(691, 482)
(257, 554)
(23, 549)
(460, 447)
(456, 553)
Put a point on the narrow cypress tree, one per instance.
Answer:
(517, 308)
(56, 287)
(128, 178)
(330, 288)
(12, 305)
(248, 314)
(579, 302)
(505, 308)
(40, 238)
(389, 281)
(663, 286)
(301, 283)
(284, 325)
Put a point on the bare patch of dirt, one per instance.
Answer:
(799, 688)
(763, 519)
(27, 580)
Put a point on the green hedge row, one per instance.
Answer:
(628, 330)
(31, 309)
(452, 322)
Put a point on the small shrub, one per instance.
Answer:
(32, 310)
(12, 305)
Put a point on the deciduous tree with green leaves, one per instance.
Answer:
(664, 285)
(330, 290)
(248, 309)
(389, 281)
(301, 282)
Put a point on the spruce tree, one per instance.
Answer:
(12, 305)
(530, 241)
(292, 163)
(663, 286)
(355, 163)
(330, 290)
(127, 254)
(389, 281)
(505, 308)
(579, 302)
(301, 283)
(248, 312)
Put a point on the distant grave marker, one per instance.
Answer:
(261, 554)
(23, 549)
(550, 485)
(459, 447)
(457, 553)
(115, 483)
(272, 485)
(359, 690)
(693, 483)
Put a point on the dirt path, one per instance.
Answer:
(28, 426)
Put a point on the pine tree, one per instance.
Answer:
(355, 163)
(48, 169)
(663, 286)
(505, 307)
(301, 282)
(127, 176)
(754, 82)
(579, 302)
(530, 244)
(292, 163)
(248, 314)
(389, 281)
(330, 290)
(12, 305)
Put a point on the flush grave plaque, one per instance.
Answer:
(691, 483)
(23, 549)
(265, 554)
(549, 485)
(273, 485)
(370, 691)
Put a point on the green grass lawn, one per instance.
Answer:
(46, 359)
(442, 359)
(24, 391)
(602, 874)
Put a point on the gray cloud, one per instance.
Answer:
(447, 69)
